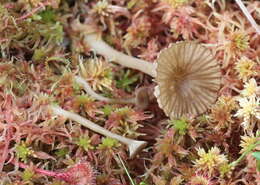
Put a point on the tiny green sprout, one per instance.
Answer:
(107, 109)
(59, 59)
(53, 32)
(39, 54)
(36, 17)
(225, 169)
(131, 4)
(82, 99)
(22, 151)
(85, 143)
(108, 143)
(27, 174)
(241, 40)
(176, 3)
(62, 152)
(203, 118)
(143, 183)
(126, 81)
(76, 87)
(180, 125)
(48, 16)
(123, 111)
(20, 87)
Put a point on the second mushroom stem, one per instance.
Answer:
(96, 96)
(133, 145)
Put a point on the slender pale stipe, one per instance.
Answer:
(133, 145)
(102, 48)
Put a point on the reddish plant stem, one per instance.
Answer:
(58, 175)
(5, 151)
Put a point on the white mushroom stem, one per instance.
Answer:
(133, 145)
(96, 43)
(248, 15)
(96, 96)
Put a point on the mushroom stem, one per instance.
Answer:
(133, 145)
(95, 42)
(96, 96)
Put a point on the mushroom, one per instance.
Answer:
(187, 74)
(188, 79)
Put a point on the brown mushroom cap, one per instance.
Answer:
(188, 79)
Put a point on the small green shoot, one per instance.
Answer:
(48, 16)
(143, 183)
(108, 143)
(62, 152)
(27, 175)
(23, 152)
(85, 143)
(180, 125)
(131, 4)
(39, 54)
(126, 81)
(107, 110)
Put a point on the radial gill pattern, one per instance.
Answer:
(188, 79)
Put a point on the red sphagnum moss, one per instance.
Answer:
(46, 44)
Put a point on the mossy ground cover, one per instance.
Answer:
(41, 53)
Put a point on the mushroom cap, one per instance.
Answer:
(188, 79)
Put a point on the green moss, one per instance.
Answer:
(48, 16)
(108, 143)
(22, 151)
(84, 142)
(180, 125)
(62, 152)
(27, 174)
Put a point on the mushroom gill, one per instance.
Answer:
(188, 79)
